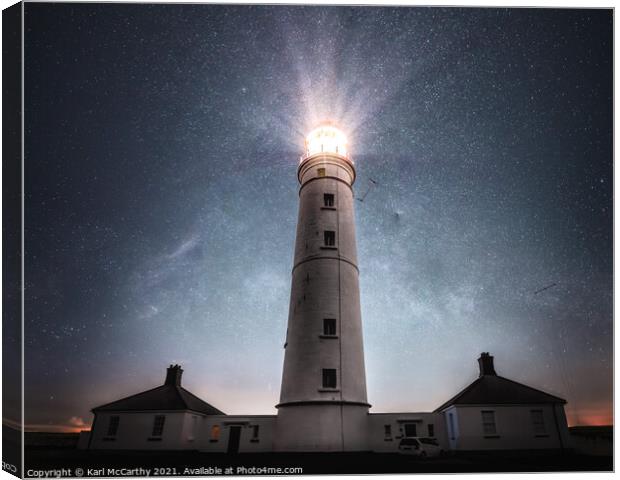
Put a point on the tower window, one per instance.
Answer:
(329, 378)
(158, 425)
(330, 238)
(320, 172)
(488, 422)
(538, 422)
(329, 326)
(113, 425)
(328, 199)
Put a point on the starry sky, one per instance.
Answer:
(161, 198)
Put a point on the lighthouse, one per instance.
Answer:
(323, 403)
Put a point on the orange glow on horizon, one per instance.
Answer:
(46, 428)
(594, 419)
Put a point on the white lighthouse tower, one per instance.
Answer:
(323, 404)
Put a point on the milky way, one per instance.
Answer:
(161, 198)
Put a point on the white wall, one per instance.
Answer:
(182, 431)
(247, 442)
(378, 442)
(515, 430)
(135, 429)
(321, 428)
(318, 428)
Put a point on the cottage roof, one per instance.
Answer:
(491, 389)
(170, 396)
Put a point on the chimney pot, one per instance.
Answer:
(173, 375)
(485, 362)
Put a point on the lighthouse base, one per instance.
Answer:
(325, 427)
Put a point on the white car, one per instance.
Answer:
(420, 447)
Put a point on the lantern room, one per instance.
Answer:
(326, 139)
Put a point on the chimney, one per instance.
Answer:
(486, 364)
(173, 375)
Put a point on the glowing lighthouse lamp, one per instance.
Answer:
(326, 139)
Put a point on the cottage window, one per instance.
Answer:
(387, 429)
(488, 422)
(538, 422)
(113, 425)
(329, 378)
(330, 238)
(329, 327)
(158, 425)
(431, 430)
(215, 433)
(328, 199)
(255, 429)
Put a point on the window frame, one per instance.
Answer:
(489, 423)
(329, 238)
(255, 433)
(538, 424)
(327, 375)
(214, 434)
(159, 422)
(113, 424)
(330, 325)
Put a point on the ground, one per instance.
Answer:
(44, 458)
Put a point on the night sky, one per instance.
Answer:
(161, 198)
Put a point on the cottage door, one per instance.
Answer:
(233, 439)
(410, 430)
